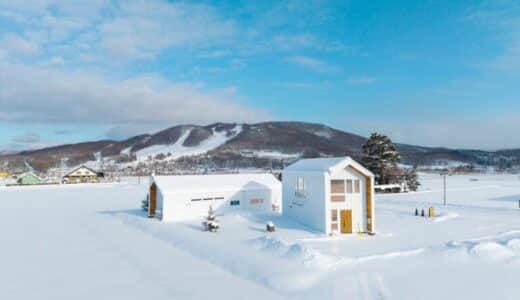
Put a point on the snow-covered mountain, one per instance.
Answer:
(238, 145)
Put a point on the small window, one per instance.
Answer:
(300, 187)
(234, 202)
(208, 199)
(334, 215)
(198, 199)
(357, 186)
(256, 201)
(219, 198)
(349, 186)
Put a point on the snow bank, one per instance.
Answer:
(491, 250)
(297, 252)
(445, 217)
(500, 248)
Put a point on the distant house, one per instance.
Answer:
(189, 197)
(332, 195)
(4, 174)
(82, 175)
(391, 188)
(29, 178)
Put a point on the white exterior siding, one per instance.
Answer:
(182, 207)
(354, 201)
(310, 209)
(178, 199)
(316, 207)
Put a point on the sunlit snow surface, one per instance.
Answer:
(178, 149)
(93, 242)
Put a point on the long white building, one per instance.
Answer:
(189, 197)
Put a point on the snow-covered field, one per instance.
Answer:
(93, 242)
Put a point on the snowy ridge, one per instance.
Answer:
(177, 149)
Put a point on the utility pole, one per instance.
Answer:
(444, 174)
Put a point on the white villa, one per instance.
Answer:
(331, 195)
(82, 174)
(189, 197)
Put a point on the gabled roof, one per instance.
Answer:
(81, 167)
(29, 174)
(326, 164)
(209, 183)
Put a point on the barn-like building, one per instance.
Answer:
(189, 197)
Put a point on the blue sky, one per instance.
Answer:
(434, 73)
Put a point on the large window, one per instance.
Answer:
(337, 186)
(349, 186)
(357, 186)
(337, 190)
(300, 187)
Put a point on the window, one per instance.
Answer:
(234, 202)
(337, 186)
(256, 201)
(300, 187)
(357, 186)
(334, 215)
(334, 219)
(349, 186)
(337, 198)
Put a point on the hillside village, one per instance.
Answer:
(228, 147)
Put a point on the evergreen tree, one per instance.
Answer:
(411, 179)
(380, 156)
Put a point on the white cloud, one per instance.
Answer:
(27, 138)
(36, 94)
(461, 132)
(313, 64)
(14, 45)
(105, 29)
(142, 28)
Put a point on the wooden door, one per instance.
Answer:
(346, 221)
(152, 204)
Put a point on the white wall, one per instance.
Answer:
(355, 202)
(311, 209)
(180, 207)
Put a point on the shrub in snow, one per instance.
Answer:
(270, 227)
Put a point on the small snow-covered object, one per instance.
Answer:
(270, 227)
(213, 226)
(144, 204)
